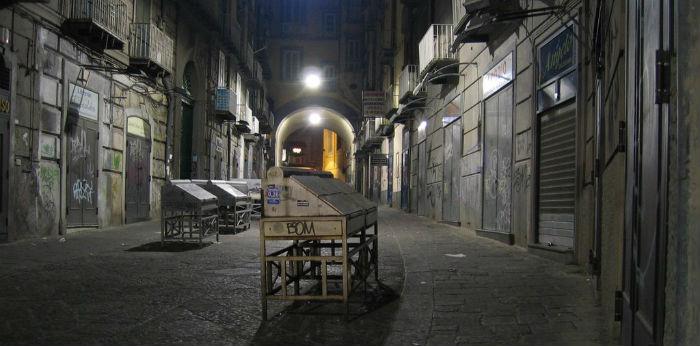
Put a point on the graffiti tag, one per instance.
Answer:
(300, 228)
(82, 190)
(80, 148)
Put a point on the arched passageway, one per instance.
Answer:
(326, 118)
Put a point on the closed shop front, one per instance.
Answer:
(556, 140)
(451, 170)
(498, 150)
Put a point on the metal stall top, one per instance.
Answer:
(252, 187)
(234, 205)
(188, 212)
(327, 223)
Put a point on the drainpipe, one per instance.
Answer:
(170, 93)
(595, 257)
(228, 151)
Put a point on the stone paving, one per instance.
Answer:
(440, 286)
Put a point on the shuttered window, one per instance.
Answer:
(557, 176)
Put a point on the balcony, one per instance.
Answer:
(392, 101)
(434, 48)
(383, 128)
(225, 106)
(459, 15)
(409, 81)
(482, 21)
(370, 140)
(261, 110)
(256, 80)
(99, 24)
(245, 120)
(150, 49)
(247, 63)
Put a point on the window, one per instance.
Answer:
(223, 70)
(329, 75)
(292, 11)
(353, 55)
(291, 64)
(353, 49)
(330, 26)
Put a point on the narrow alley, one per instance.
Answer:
(443, 286)
(349, 172)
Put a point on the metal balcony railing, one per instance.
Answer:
(258, 71)
(409, 80)
(435, 45)
(109, 15)
(151, 45)
(458, 13)
(249, 57)
(392, 100)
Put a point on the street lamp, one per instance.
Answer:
(314, 118)
(312, 81)
(423, 124)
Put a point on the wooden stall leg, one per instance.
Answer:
(375, 253)
(264, 271)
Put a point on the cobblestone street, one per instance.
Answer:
(441, 286)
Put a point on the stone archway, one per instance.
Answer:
(330, 119)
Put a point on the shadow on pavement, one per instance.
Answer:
(156, 246)
(324, 323)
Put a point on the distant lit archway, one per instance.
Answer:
(321, 117)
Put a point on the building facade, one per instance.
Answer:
(557, 126)
(103, 101)
(327, 39)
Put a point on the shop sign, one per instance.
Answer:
(558, 55)
(379, 160)
(83, 101)
(498, 76)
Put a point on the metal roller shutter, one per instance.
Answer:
(557, 176)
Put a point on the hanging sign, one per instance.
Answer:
(558, 55)
(498, 76)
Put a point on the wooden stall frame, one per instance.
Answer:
(363, 270)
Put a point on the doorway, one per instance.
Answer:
(82, 174)
(422, 187)
(138, 170)
(451, 171)
(4, 147)
(644, 264)
(498, 161)
(405, 171)
(186, 141)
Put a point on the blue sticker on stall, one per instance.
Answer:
(273, 194)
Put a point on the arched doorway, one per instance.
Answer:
(138, 170)
(317, 117)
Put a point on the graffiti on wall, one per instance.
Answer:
(83, 191)
(521, 179)
(49, 177)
